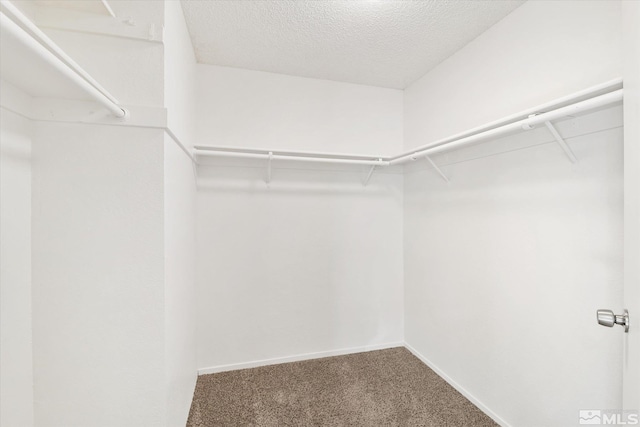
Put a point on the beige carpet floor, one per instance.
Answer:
(378, 388)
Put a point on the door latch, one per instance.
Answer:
(607, 318)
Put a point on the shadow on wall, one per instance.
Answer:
(243, 175)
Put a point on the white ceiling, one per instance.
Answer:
(374, 42)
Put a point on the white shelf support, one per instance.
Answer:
(29, 35)
(583, 101)
(523, 124)
(561, 142)
(437, 168)
(62, 20)
(107, 6)
(205, 151)
(373, 168)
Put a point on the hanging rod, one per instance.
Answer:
(107, 6)
(590, 92)
(20, 27)
(465, 138)
(524, 124)
(291, 156)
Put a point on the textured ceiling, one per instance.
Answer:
(381, 43)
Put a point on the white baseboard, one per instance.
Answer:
(297, 358)
(344, 351)
(495, 417)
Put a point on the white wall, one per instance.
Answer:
(506, 265)
(114, 291)
(16, 375)
(313, 263)
(98, 275)
(541, 51)
(179, 75)
(180, 293)
(179, 218)
(264, 110)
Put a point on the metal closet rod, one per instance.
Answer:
(203, 150)
(524, 124)
(572, 98)
(451, 143)
(21, 27)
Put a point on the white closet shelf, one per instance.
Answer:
(592, 98)
(539, 117)
(300, 156)
(99, 7)
(39, 67)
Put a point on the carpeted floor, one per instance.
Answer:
(378, 388)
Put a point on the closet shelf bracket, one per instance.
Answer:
(21, 29)
(437, 168)
(561, 142)
(269, 167)
(373, 167)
